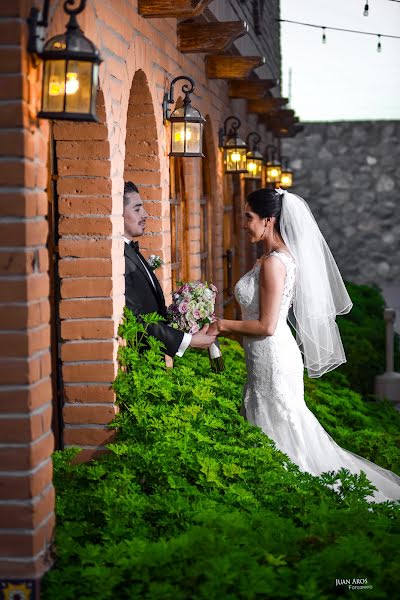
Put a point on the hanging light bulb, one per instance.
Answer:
(72, 83)
(323, 36)
(366, 9)
(379, 46)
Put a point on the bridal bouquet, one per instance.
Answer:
(192, 307)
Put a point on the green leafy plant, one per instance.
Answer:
(192, 502)
(363, 335)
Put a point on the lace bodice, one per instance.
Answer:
(247, 289)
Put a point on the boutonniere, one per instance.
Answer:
(155, 261)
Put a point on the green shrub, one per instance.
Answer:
(193, 502)
(363, 336)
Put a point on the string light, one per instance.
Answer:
(380, 35)
(366, 9)
(323, 36)
(379, 46)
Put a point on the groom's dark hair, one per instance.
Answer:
(129, 188)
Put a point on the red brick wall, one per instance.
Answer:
(26, 440)
(140, 59)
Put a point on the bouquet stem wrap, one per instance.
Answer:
(216, 360)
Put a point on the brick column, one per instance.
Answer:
(91, 264)
(26, 440)
(216, 209)
(192, 178)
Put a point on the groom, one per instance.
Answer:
(143, 293)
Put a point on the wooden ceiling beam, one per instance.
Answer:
(209, 37)
(231, 67)
(287, 132)
(271, 121)
(179, 9)
(250, 89)
(278, 116)
(265, 105)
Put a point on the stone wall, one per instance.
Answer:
(349, 173)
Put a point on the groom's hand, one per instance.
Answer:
(201, 339)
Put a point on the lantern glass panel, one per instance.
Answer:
(274, 173)
(235, 155)
(78, 86)
(236, 160)
(178, 137)
(191, 133)
(194, 136)
(286, 179)
(254, 165)
(186, 131)
(95, 81)
(53, 86)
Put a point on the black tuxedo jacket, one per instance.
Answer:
(142, 298)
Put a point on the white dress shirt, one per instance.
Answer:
(187, 337)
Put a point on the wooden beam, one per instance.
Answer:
(209, 37)
(281, 115)
(231, 67)
(284, 113)
(287, 132)
(251, 89)
(179, 9)
(273, 124)
(265, 105)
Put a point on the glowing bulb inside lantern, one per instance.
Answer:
(274, 172)
(252, 167)
(235, 156)
(72, 85)
(180, 135)
(55, 88)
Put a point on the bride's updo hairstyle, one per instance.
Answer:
(266, 202)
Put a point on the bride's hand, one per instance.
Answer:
(214, 328)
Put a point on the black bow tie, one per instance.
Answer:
(134, 245)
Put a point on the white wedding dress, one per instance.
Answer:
(274, 393)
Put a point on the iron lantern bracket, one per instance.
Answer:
(38, 21)
(274, 152)
(169, 97)
(284, 160)
(257, 140)
(224, 133)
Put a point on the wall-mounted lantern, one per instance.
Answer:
(70, 67)
(254, 157)
(186, 122)
(235, 149)
(273, 166)
(287, 174)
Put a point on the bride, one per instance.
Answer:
(297, 269)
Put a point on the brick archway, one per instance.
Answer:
(89, 280)
(142, 166)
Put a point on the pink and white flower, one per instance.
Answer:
(192, 306)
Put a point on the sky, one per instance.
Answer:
(346, 78)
